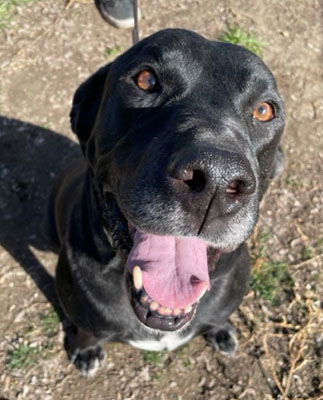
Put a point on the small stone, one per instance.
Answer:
(285, 33)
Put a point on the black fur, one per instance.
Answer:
(198, 117)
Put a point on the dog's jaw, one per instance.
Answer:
(151, 313)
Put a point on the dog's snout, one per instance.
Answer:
(220, 173)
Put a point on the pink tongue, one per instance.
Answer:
(175, 270)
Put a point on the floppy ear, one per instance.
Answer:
(86, 103)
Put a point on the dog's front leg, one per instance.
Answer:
(84, 349)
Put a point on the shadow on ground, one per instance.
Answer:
(31, 157)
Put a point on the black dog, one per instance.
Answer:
(180, 136)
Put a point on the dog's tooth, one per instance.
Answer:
(137, 277)
(203, 292)
(177, 312)
(165, 311)
(187, 309)
(154, 306)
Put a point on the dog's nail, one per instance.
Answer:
(137, 278)
(154, 306)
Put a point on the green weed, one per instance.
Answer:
(184, 354)
(113, 51)
(243, 38)
(153, 357)
(159, 376)
(270, 279)
(308, 253)
(7, 8)
(293, 182)
(22, 357)
(319, 246)
(50, 322)
(260, 246)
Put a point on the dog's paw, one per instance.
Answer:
(224, 340)
(88, 360)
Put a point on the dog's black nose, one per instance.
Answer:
(227, 176)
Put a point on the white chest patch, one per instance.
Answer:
(170, 341)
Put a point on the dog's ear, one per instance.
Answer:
(86, 103)
(278, 163)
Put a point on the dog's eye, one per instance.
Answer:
(263, 112)
(146, 80)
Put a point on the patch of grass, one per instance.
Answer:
(239, 36)
(184, 354)
(113, 51)
(159, 376)
(293, 182)
(308, 253)
(319, 246)
(153, 357)
(270, 279)
(7, 8)
(259, 246)
(50, 322)
(316, 277)
(22, 357)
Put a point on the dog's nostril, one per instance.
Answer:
(236, 187)
(185, 175)
(197, 181)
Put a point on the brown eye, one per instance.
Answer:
(263, 112)
(146, 80)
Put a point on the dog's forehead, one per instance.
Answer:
(188, 53)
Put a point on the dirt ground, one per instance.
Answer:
(45, 53)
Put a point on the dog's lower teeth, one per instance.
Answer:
(165, 311)
(137, 278)
(154, 306)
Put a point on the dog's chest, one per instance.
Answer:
(168, 341)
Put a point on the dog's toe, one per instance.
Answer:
(224, 340)
(88, 360)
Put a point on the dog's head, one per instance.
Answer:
(184, 133)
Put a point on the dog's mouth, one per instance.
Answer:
(167, 277)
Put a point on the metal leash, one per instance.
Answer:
(135, 31)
